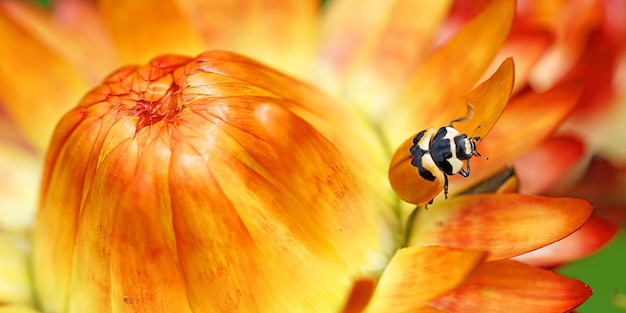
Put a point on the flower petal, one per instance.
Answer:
(544, 166)
(360, 296)
(144, 29)
(21, 175)
(401, 40)
(509, 286)
(417, 275)
(449, 73)
(15, 280)
(73, 30)
(18, 308)
(527, 120)
(591, 237)
(488, 101)
(30, 76)
(280, 33)
(506, 225)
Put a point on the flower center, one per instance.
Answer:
(164, 109)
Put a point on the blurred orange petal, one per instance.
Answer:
(488, 101)
(527, 120)
(506, 225)
(591, 237)
(280, 33)
(72, 29)
(403, 37)
(449, 73)
(416, 275)
(509, 286)
(31, 99)
(547, 164)
(143, 29)
(525, 47)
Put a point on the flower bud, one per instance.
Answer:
(191, 185)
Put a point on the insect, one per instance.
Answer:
(445, 150)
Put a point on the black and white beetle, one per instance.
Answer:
(444, 150)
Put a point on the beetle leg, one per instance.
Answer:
(463, 172)
(445, 186)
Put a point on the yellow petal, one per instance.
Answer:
(30, 76)
(449, 73)
(506, 225)
(15, 280)
(416, 275)
(144, 29)
(280, 33)
(21, 174)
(17, 308)
(488, 101)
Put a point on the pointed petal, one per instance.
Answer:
(30, 76)
(544, 166)
(417, 275)
(345, 31)
(21, 174)
(402, 39)
(506, 225)
(527, 120)
(72, 29)
(15, 280)
(509, 286)
(488, 101)
(142, 30)
(281, 33)
(591, 237)
(449, 73)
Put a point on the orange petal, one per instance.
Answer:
(544, 166)
(30, 76)
(509, 286)
(527, 120)
(142, 30)
(72, 29)
(506, 225)
(488, 101)
(417, 275)
(591, 237)
(360, 296)
(449, 73)
(280, 33)
(402, 38)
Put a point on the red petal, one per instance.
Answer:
(509, 286)
(548, 163)
(591, 237)
(506, 225)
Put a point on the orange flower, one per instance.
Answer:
(218, 183)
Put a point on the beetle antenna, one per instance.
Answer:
(470, 113)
